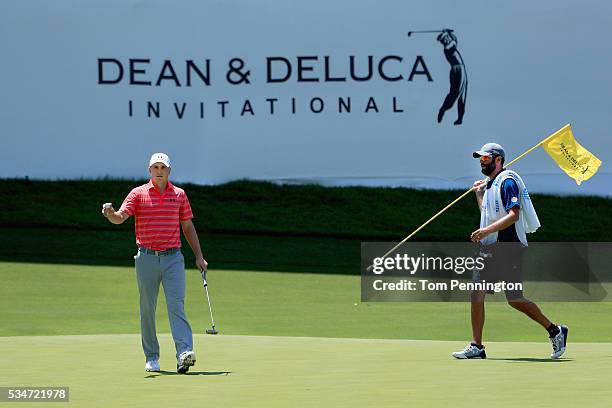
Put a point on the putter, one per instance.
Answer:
(212, 319)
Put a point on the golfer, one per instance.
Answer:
(457, 76)
(506, 216)
(161, 209)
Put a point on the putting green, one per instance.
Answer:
(257, 371)
(55, 299)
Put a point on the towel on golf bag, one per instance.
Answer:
(493, 209)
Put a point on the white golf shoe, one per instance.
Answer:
(470, 351)
(186, 359)
(152, 365)
(559, 342)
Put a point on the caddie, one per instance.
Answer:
(507, 215)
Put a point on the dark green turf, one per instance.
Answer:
(262, 226)
(268, 209)
(108, 247)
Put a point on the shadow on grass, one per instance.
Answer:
(163, 373)
(531, 360)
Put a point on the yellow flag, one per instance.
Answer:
(575, 160)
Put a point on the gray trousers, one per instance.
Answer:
(151, 270)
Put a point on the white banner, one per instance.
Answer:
(334, 92)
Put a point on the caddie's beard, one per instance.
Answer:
(488, 169)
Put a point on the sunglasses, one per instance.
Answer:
(487, 159)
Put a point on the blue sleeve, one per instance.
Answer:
(510, 194)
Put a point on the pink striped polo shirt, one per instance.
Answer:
(157, 215)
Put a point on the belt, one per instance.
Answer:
(159, 253)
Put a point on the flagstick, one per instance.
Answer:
(422, 226)
(466, 193)
(539, 144)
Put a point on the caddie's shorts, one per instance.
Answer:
(503, 263)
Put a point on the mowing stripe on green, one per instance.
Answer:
(40, 299)
(256, 371)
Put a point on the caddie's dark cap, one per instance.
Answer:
(490, 149)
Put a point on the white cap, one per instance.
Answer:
(159, 158)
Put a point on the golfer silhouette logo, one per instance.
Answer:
(458, 75)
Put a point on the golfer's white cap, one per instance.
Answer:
(160, 158)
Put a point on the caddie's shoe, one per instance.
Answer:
(471, 351)
(559, 342)
(186, 359)
(152, 365)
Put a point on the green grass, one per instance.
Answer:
(38, 299)
(69, 307)
(70, 325)
(244, 371)
(242, 207)
(268, 209)
(107, 247)
(262, 226)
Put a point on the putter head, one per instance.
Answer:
(212, 331)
